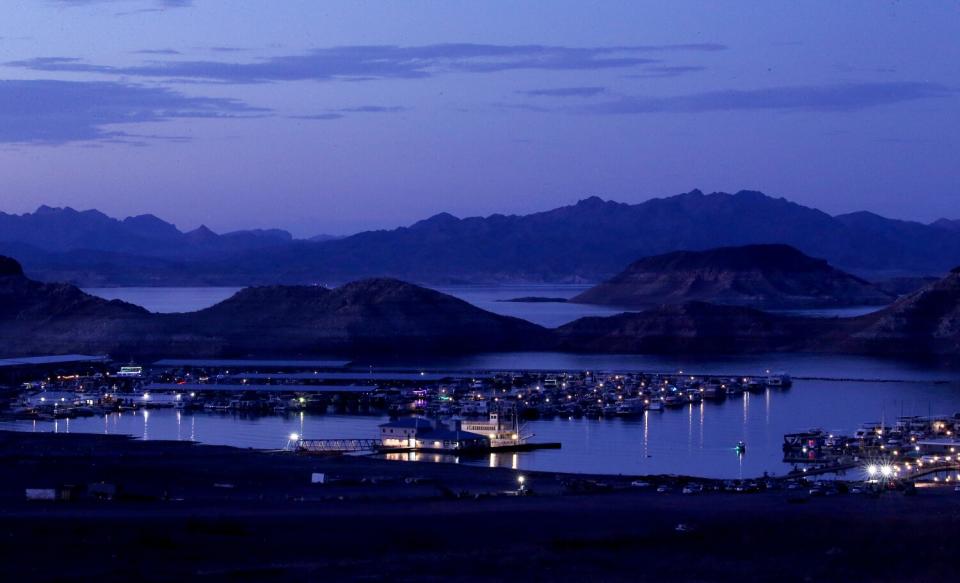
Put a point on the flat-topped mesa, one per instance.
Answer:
(768, 276)
(10, 267)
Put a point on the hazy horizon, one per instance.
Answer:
(339, 117)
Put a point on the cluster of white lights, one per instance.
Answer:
(883, 470)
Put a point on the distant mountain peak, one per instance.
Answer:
(591, 201)
(151, 225)
(50, 210)
(145, 218)
(200, 234)
(437, 220)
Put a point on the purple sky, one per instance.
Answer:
(332, 117)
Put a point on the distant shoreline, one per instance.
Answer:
(537, 300)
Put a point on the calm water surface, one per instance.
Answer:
(697, 439)
(166, 300)
(490, 298)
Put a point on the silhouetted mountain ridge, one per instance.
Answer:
(585, 242)
(51, 230)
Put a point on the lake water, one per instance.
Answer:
(488, 297)
(697, 439)
(167, 300)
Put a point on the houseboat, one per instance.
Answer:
(501, 432)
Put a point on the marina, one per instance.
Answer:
(689, 426)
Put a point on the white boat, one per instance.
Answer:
(779, 379)
(630, 408)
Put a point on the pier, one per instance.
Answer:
(338, 446)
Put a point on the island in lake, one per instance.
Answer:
(391, 317)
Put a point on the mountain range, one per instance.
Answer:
(586, 242)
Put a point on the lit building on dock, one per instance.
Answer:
(423, 435)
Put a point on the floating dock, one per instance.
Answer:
(344, 446)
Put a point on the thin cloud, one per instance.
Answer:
(156, 52)
(319, 116)
(382, 62)
(667, 71)
(156, 3)
(373, 109)
(60, 112)
(341, 112)
(843, 97)
(565, 92)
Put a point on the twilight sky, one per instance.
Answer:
(333, 117)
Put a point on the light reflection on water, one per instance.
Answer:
(697, 439)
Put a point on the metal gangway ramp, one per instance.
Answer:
(335, 446)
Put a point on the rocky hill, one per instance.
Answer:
(760, 276)
(379, 315)
(386, 317)
(926, 322)
(690, 328)
(372, 315)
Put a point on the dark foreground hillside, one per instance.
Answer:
(183, 512)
